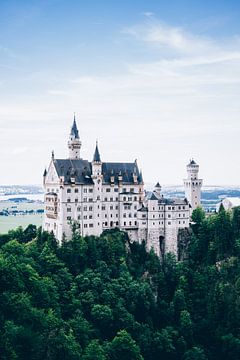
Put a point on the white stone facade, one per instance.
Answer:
(96, 196)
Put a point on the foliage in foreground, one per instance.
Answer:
(96, 298)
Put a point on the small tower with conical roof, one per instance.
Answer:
(193, 185)
(157, 189)
(97, 190)
(74, 143)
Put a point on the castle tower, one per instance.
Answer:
(74, 143)
(193, 185)
(157, 189)
(97, 190)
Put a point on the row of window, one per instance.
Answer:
(129, 215)
(162, 223)
(90, 190)
(170, 208)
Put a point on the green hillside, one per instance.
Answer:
(103, 298)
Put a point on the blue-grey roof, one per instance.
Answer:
(152, 196)
(74, 129)
(96, 156)
(192, 162)
(82, 171)
(126, 170)
(173, 201)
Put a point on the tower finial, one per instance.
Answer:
(52, 154)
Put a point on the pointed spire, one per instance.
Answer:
(96, 156)
(52, 154)
(74, 129)
(140, 178)
(45, 173)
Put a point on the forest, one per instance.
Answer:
(103, 298)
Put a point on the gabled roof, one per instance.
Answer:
(126, 170)
(82, 171)
(173, 201)
(152, 196)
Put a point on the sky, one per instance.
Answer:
(152, 80)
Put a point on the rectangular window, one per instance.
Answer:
(90, 190)
(85, 190)
(91, 225)
(76, 190)
(108, 190)
(69, 218)
(68, 190)
(68, 209)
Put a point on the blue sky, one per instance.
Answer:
(153, 80)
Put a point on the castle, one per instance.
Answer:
(97, 195)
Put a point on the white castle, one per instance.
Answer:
(97, 195)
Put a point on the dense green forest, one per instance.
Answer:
(104, 298)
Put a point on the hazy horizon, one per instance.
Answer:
(153, 80)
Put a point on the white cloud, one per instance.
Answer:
(182, 102)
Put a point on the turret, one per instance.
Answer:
(96, 163)
(157, 189)
(74, 143)
(193, 185)
(97, 190)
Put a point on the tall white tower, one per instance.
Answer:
(193, 185)
(74, 143)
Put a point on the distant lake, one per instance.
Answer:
(35, 197)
